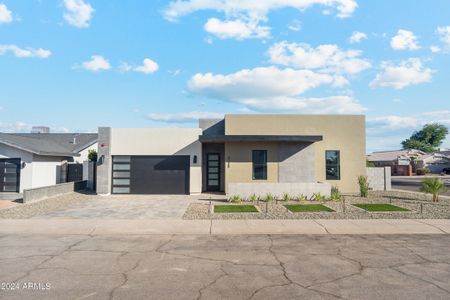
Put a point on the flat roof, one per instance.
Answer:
(259, 138)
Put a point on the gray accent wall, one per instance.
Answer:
(296, 162)
(104, 161)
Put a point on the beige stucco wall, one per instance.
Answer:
(161, 141)
(340, 132)
(238, 162)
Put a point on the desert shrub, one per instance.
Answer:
(301, 198)
(319, 197)
(253, 197)
(336, 195)
(363, 186)
(422, 171)
(286, 197)
(268, 197)
(235, 199)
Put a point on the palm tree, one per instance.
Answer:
(434, 186)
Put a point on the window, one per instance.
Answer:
(333, 164)
(259, 159)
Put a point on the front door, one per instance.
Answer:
(213, 172)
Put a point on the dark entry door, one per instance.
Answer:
(10, 175)
(213, 172)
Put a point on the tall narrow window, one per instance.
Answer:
(259, 159)
(333, 164)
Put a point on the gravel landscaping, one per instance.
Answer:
(419, 206)
(29, 210)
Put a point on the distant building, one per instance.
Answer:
(400, 161)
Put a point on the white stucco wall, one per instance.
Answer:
(84, 153)
(26, 172)
(45, 170)
(161, 141)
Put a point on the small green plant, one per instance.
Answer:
(286, 197)
(268, 198)
(253, 198)
(92, 155)
(422, 171)
(370, 164)
(433, 186)
(301, 198)
(235, 199)
(336, 195)
(363, 186)
(319, 197)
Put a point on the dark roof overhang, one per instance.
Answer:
(259, 138)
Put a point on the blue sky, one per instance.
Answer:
(75, 65)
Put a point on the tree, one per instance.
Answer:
(92, 155)
(433, 186)
(428, 139)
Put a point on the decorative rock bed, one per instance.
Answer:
(419, 206)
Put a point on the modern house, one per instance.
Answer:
(31, 160)
(240, 154)
(400, 161)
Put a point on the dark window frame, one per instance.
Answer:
(335, 165)
(259, 165)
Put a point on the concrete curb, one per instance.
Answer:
(223, 227)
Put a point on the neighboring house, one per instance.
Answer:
(400, 161)
(30, 160)
(238, 154)
(435, 162)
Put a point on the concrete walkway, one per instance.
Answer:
(223, 227)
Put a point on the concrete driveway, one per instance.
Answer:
(225, 267)
(125, 207)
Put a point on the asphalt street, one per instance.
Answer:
(224, 267)
(414, 183)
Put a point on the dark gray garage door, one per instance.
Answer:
(150, 174)
(10, 175)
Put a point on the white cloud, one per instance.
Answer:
(260, 82)
(96, 64)
(444, 33)
(404, 40)
(327, 58)
(435, 49)
(24, 52)
(185, 117)
(78, 13)
(247, 14)
(15, 127)
(256, 9)
(394, 122)
(5, 14)
(236, 29)
(407, 72)
(324, 105)
(274, 89)
(295, 25)
(357, 37)
(148, 66)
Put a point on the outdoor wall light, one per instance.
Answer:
(194, 160)
(228, 158)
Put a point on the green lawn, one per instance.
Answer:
(379, 207)
(308, 208)
(235, 209)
